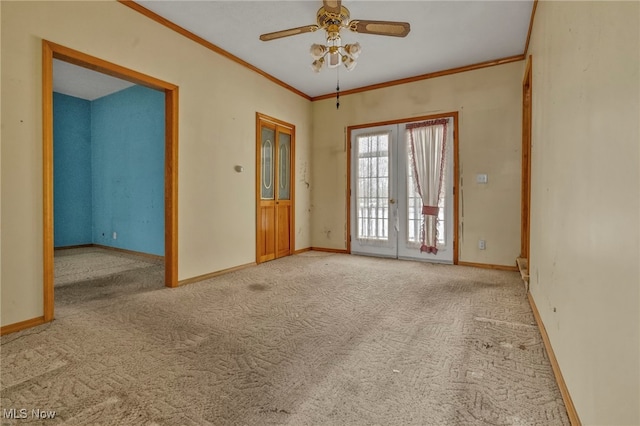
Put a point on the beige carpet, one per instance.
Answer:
(313, 339)
(78, 266)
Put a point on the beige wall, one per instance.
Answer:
(489, 105)
(218, 102)
(585, 201)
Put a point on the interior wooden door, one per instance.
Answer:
(266, 226)
(274, 184)
(283, 192)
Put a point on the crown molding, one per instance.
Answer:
(177, 28)
(167, 23)
(533, 14)
(423, 77)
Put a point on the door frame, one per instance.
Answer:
(52, 51)
(456, 173)
(525, 222)
(260, 118)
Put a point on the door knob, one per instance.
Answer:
(392, 201)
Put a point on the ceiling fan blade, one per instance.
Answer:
(386, 28)
(332, 6)
(289, 32)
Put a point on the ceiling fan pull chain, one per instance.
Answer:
(338, 89)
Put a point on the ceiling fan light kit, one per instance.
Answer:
(335, 54)
(332, 17)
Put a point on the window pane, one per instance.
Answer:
(372, 198)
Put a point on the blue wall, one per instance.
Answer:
(72, 171)
(127, 158)
(125, 166)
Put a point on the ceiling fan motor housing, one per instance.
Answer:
(327, 19)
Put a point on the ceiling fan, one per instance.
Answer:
(333, 17)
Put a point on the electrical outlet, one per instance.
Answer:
(482, 178)
(481, 244)
(115, 235)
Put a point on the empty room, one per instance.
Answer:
(108, 182)
(360, 212)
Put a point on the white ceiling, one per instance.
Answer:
(73, 80)
(444, 35)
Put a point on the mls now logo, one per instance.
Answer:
(23, 413)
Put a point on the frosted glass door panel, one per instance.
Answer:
(284, 166)
(267, 166)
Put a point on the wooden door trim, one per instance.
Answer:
(52, 51)
(525, 217)
(456, 171)
(266, 118)
(276, 123)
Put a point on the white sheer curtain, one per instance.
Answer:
(427, 142)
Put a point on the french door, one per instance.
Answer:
(386, 209)
(275, 189)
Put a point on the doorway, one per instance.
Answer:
(387, 213)
(49, 52)
(275, 191)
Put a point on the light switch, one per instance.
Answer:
(482, 178)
